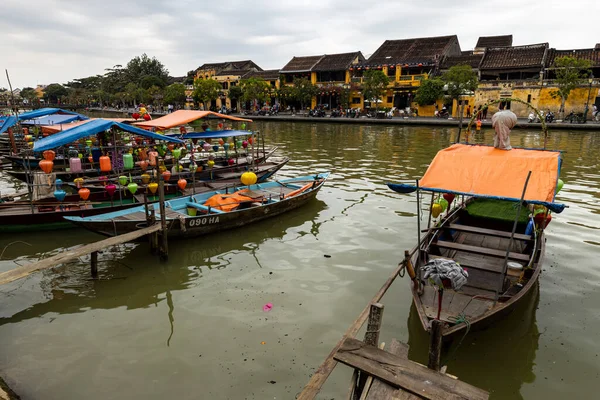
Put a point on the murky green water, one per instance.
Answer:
(194, 327)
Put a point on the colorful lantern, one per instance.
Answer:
(166, 175)
(449, 197)
(132, 187)
(436, 210)
(88, 143)
(127, 161)
(46, 166)
(248, 178)
(78, 183)
(206, 146)
(221, 142)
(245, 144)
(144, 165)
(153, 155)
(182, 183)
(147, 117)
(110, 189)
(170, 146)
(105, 165)
(243, 126)
(250, 140)
(103, 179)
(239, 143)
(226, 146)
(145, 178)
(122, 180)
(176, 153)
(559, 185)
(75, 165)
(90, 159)
(231, 161)
(84, 193)
(443, 203)
(215, 148)
(210, 163)
(153, 187)
(135, 116)
(49, 155)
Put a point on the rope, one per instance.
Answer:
(461, 318)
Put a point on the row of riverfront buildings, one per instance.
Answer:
(505, 71)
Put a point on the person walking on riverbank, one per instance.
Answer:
(469, 111)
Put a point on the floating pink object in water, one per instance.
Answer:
(267, 307)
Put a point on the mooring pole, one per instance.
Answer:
(435, 344)
(94, 262)
(164, 250)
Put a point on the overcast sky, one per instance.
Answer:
(47, 41)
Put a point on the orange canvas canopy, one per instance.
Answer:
(485, 171)
(227, 202)
(182, 117)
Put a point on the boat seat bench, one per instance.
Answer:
(489, 232)
(480, 250)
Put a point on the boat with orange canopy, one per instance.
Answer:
(484, 244)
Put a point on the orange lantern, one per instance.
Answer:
(250, 140)
(46, 166)
(84, 193)
(144, 165)
(105, 164)
(49, 155)
(152, 156)
(143, 154)
(182, 183)
(91, 159)
(166, 175)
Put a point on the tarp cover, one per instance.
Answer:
(63, 127)
(55, 119)
(485, 171)
(90, 129)
(182, 117)
(9, 121)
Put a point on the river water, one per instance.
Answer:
(194, 327)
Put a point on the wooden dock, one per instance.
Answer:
(92, 248)
(389, 375)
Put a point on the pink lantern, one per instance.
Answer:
(230, 161)
(245, 144)
(110, 189)
(207, 146)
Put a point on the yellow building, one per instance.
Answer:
(330, 73)
(406, 62)
(228, 74)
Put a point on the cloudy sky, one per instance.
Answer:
(46, 41)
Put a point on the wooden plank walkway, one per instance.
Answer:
(402, 373)
(50, 262)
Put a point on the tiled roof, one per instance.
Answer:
(237, 72)
(412, 51)
(337, 62)
(301, 64)
(582, 54)
(515, 57)
(230, 65)
(466, 58)
(494, 41)
(269, 75)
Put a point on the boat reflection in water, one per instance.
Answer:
(69, 289)
(508, 347)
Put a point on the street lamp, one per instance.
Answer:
(587, 103)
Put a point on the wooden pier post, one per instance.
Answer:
(164, 247)
(94, 262)
(371, 339)
(435, 344)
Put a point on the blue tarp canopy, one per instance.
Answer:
(215, 134)
(90, 129)
(11, 120)
(55, 119)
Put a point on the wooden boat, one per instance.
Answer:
(190, 216)
(48, 213)
(488, 230)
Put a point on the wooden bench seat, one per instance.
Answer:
(480, 250)
(489, 232)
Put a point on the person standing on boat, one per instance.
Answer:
(502, 122)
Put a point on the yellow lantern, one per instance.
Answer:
(210, 163)
(436, 210)
(153, 187)
(248, 178)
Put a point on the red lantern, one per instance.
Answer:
(135, 116)
(449, 197)
(46, 166)
(182, 130)
(230, 161)
(539, 219)
(221, 142)
(182, 183)
(110, 189)
(49, 155)
(84, 193)
(220, 125)
(91, 159)
(166, 175)
(250, 140)
(147, 117)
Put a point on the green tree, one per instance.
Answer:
(131, 91)
(235, 93)
(101, 96)
(175, 94)
(429, 92)
(29, 94)
(304, 91)
(150, 80)
(254, 89)
(375, 83)
(570, 73)
(54, 92)
(156, 95)
(460, 80)
(205, 91)
(138, 68)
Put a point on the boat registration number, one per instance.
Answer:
(203, 221)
